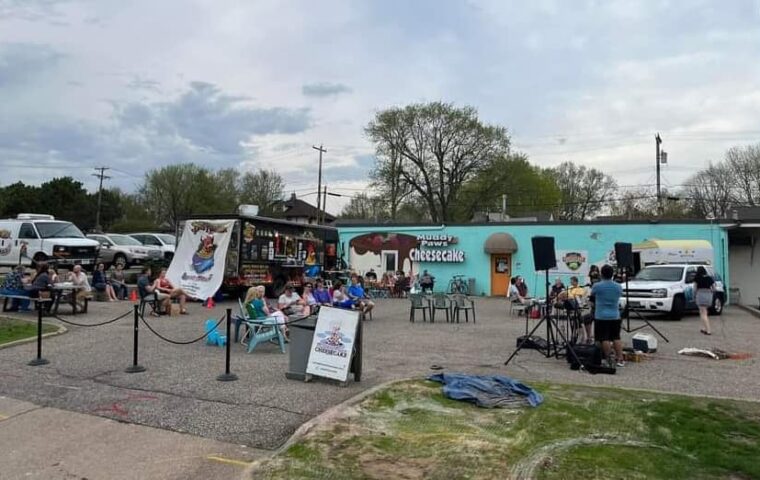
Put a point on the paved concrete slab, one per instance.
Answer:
(51, 444)
(178, 392)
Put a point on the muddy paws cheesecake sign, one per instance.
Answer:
(333, 344)
(198, 264)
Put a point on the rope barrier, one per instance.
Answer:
(94, 324)
(176, 342)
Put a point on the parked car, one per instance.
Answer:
(164, 241)
(30, 238)
(117, 249)
(669, 288)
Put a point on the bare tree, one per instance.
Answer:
(440, 147)
(744, 165)
(387, 178)
(710, 191)
(263, 188)
(584, 191)
(365, 207)
(172, 192)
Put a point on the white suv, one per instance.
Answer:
(163, 241)
(123, 250)
(669, 288)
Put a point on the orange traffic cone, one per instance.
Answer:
(133, 296)
(210, 302)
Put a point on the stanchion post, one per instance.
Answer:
(135, 367)
(227, 376)
(39, 360)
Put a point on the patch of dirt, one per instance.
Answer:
(382, 468)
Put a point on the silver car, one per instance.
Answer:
(117, 249)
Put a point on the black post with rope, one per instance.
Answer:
(227, 376)
(135, 367)
(39, 360)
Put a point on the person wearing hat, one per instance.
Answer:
(290, 303)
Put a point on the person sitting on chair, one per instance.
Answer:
(574, 300)
(290, 303)
(79, 279)
(14, 285)
(514, 293)
(427, 282)
(149, 293)
(521, 287)
(322, 295)
(357, 294)
(557, 288)
(340, 297)
(257, 308)
(165, 286)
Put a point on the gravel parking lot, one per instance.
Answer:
(179, 391)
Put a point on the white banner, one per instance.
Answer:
(198, 263)
(333, 344)
(571, 262)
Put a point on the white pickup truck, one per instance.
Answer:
(669, 288)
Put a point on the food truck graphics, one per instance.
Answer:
(273, 252)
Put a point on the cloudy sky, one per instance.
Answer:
(249, 84)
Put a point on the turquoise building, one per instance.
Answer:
(492, 253)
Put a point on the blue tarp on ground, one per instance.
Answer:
(486, 391)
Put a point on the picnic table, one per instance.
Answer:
(67, 291)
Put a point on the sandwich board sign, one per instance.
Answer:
(333, 343)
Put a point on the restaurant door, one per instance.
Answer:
(501, 271)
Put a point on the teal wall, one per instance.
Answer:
(597, 239)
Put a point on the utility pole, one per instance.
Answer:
(658, 141)
(324, 204)
(102, 176)
(319, 181)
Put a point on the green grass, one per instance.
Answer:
(411, 431)
(12, 329)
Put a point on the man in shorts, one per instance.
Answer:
(606, 294)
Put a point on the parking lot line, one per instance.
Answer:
(228, 461)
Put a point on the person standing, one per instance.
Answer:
(704, 285)
(593, 275)
(606, 294)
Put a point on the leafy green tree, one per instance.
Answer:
(175, 191)
(67, 199)
(528, 189)
(263, 188)
(439, 146)
(21, 198)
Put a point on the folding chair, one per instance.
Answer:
(516, 306)
(150, 299)
(417, 304)
(463, 303)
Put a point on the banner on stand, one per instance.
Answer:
(198, 263)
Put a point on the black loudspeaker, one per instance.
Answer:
(624, 255)
(543, 253)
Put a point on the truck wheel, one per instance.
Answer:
(676, 311)
(120, 259)
(717, 305)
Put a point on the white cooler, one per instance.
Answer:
(644, 342)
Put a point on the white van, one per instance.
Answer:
(30, 238)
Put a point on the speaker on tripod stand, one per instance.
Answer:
(544, 259)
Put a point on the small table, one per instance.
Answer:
(60, 289)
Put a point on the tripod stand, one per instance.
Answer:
(551, 327)
(627, 312)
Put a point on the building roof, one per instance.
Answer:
(746, 213)
(295, 207)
